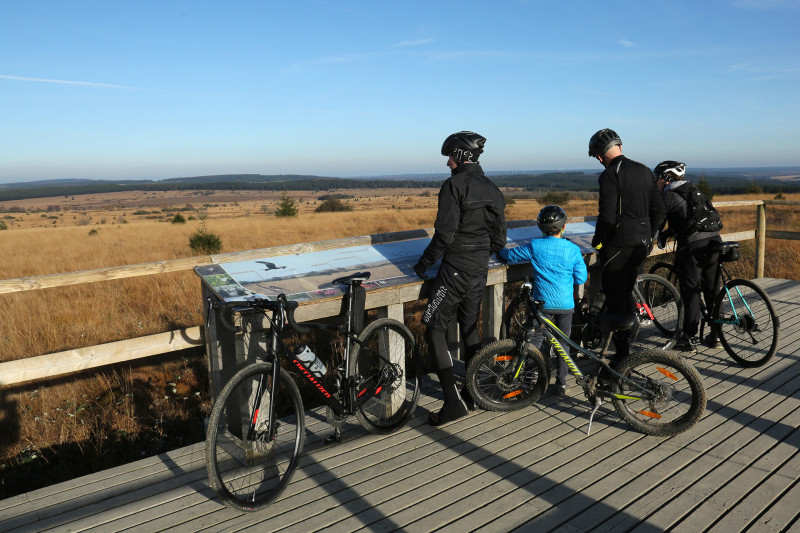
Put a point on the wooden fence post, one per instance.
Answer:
(761, 232)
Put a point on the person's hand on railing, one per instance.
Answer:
(419, 270)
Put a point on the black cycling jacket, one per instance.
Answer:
(630, 205)
(471, 222)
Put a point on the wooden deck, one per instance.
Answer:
(534, 469)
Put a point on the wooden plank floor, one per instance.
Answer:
(531, 470)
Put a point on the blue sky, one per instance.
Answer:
(99, 89)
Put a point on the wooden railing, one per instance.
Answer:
(389, 302)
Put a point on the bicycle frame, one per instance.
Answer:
(555, 337)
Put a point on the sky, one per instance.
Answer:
(161, 89)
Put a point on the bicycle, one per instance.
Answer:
(742, 316)
(256, 430)
(657, 392)
(659, 316)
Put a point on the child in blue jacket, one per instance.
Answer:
(557, 266)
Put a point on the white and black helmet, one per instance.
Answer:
(464, 146)
(670, 171)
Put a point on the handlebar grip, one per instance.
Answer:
(224, 314)
(290, 306)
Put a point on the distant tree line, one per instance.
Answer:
(542, 183)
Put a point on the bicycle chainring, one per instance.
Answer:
(333, 419)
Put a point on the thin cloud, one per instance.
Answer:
(66, 82)
(626, 43)
(415, 43)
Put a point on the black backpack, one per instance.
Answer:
(700, 214)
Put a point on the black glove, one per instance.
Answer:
(419, 270)
(500, 259)
(662, 240)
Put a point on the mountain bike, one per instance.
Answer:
(256, 430)
(657, 392)
(658, 310)
(742, 316)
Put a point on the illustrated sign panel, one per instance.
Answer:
(309, 276)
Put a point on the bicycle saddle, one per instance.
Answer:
(353, 279)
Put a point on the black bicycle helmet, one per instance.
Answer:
(602, 141)
(551, 219)
(464, 146)
(670, 171)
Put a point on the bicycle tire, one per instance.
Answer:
(247, 474)
(489, 377)
(385, 340)
(753, 340)
(666, 271)
(680, 394)
(664, 302)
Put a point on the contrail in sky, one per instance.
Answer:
(65, 82)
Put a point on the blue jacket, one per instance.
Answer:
(557, 266)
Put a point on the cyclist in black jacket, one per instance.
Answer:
(470, 226)
(630, 211)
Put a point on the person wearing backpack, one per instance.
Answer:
(695, 224)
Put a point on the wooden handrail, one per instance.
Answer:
(55, 364)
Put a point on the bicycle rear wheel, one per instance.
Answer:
(659, 312)
(491, 380)
(386, 356)
(666, 271)
(745, 323)
(247, 467)
(676, 397)
(514, 317)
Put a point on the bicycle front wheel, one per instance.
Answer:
(672, 394)
(659, 312)
(250, 458)
(386, 356)
(745, 322)
(493, 381)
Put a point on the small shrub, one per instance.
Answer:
(178, 219)
(780, 196)
(204, 241)
(332, 205)
(93, 232)
(286, 207)
(3, 225)
(554, 198)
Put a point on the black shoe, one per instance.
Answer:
(448, 413)
(687, 344)
(711, 341)
(561, 390)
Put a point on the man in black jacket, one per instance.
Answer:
(470, 226)
(630, 211)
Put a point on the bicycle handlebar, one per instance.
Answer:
(261, 304)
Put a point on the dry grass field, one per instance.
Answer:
(114, 415)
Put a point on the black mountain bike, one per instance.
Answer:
(742, 316)
(657, 392)
(256, 429)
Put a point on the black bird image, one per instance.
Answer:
(270, 266)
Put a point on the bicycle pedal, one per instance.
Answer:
(336, 437)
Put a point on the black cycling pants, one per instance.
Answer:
(697, 269)
(620, 267)
(455, 294)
